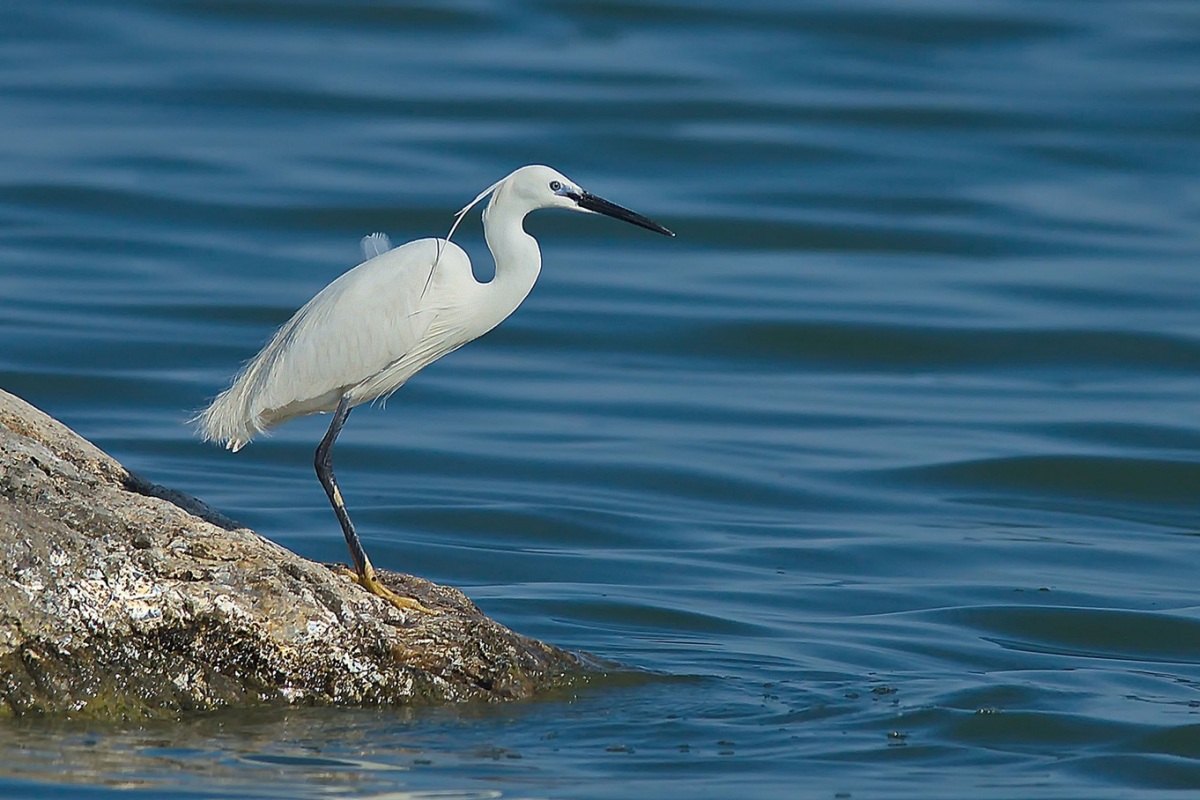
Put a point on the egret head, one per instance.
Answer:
(537, 186)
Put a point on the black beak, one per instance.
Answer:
(601, 206)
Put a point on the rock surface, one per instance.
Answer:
(122, 599)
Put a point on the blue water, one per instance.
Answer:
(881, 478)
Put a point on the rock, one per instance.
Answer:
(122, 599)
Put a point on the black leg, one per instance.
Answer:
(324, 465)
(364, 573)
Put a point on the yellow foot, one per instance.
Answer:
(372, 585)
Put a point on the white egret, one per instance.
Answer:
(370, 330)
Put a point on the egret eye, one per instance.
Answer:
(555, 186)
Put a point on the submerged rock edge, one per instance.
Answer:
(121, 599)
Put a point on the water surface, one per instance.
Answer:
(880, 478)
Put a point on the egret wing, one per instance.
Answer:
(354, 329)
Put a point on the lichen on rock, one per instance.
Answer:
(123, 599)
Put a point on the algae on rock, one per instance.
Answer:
(122, 599)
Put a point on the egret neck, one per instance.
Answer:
(517, 256)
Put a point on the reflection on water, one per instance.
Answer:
(880, 476)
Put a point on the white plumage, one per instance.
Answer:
(362, 336)
(370, 330)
